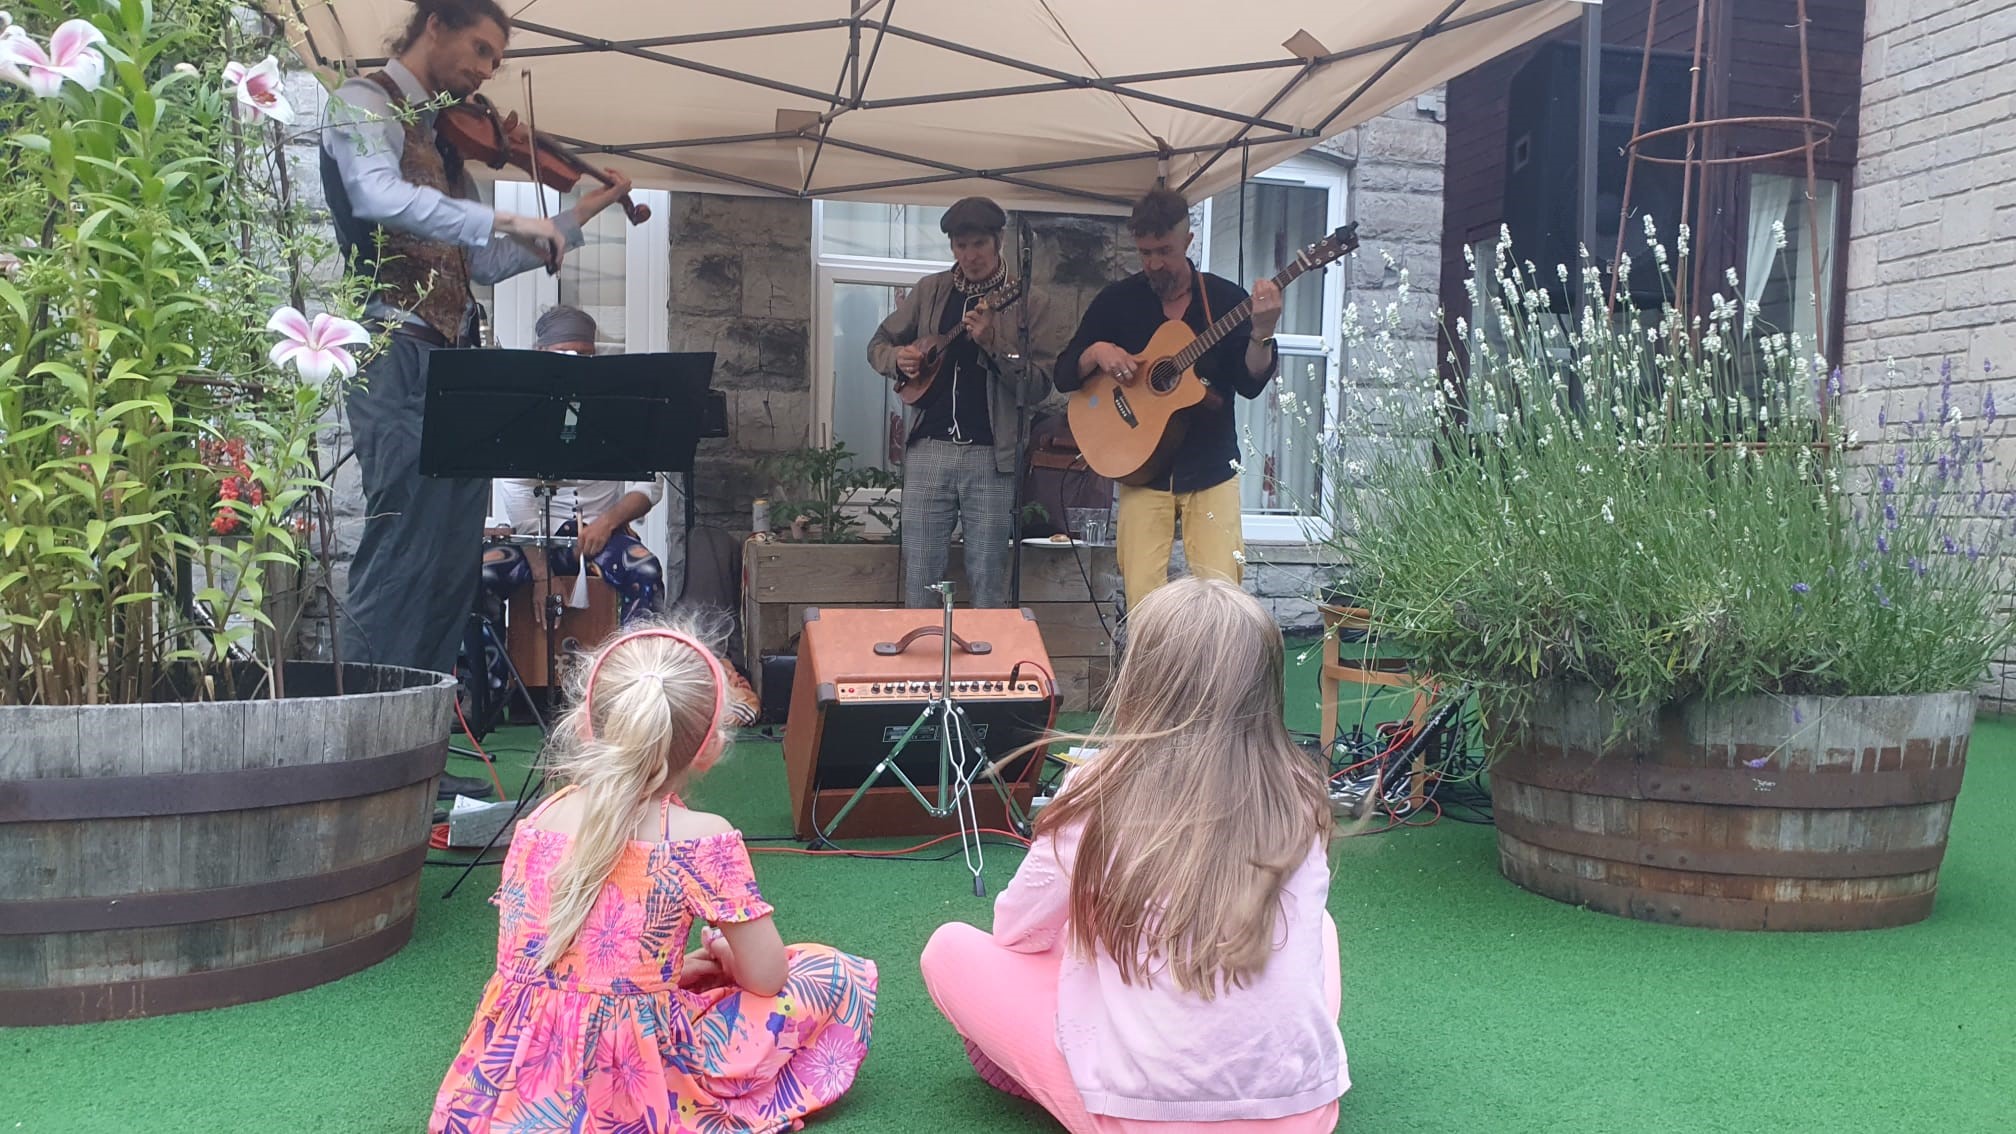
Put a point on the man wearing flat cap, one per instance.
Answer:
(962, 436)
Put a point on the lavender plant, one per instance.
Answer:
(1658, 505)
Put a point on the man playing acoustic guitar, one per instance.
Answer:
(959, 458)
(1199, 486)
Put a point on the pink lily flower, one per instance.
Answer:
(315, 348)
(68, 57)
(258, 89)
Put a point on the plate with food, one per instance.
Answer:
(1058, 540)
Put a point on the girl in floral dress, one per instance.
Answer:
(597, 1018)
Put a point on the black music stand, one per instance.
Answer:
(543, 415)
(551, 417)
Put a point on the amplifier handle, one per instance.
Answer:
(891, 649)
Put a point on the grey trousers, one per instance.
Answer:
(413, 580)
(944, 484)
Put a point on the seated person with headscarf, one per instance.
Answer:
(599, 513)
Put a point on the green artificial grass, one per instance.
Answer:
(1469, 1005)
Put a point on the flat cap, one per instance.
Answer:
(973, 214)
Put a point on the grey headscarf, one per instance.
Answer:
(563, 325)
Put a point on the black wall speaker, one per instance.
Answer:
(1542, 160)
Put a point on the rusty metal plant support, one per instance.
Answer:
(1700, 132)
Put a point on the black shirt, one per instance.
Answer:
(1127, 314)
(955, 407)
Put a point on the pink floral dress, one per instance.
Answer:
(606, 1042)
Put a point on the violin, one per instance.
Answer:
(479, 133)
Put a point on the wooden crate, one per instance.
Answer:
(779, 580)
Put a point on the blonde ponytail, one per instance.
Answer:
(651, 717)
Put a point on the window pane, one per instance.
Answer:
(1782, 280)
(1278, 432)
(592, 277)
(867, 414)
(860, 228)
(1280, 221)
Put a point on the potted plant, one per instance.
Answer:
(1726, 647)
(160, 393)
(824, 498)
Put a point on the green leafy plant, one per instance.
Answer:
(1654, 504)
(817, 486)
(157, 445)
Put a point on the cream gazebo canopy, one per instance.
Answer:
(1061, 104)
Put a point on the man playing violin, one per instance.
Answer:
(1201, 486)
(407, 214)
(960, 451)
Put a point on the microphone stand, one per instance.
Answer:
(1025, 238)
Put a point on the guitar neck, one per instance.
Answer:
(1224, 324)
(960, 332)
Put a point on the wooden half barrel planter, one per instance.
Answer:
(1806, 813)
(168, 857)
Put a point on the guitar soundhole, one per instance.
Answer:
(1162, 377)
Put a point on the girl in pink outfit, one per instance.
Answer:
(1162, 962)
(597, 1018)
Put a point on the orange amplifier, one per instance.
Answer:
(864, 677)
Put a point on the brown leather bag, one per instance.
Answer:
(1056, 477)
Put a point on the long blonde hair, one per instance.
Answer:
(1198, 806)
(645, 731)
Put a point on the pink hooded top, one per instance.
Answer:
(1155, 1052)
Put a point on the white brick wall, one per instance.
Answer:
(1932, 258)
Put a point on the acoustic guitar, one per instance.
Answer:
(1129, 430)
(937, 348)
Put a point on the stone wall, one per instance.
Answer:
(741, 287)
(1396, 179)
(1932, 258)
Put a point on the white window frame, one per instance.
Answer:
(1274, 527)
(829, 269)
(647, 287)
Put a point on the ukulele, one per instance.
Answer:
(1128, 431)
(937, 348)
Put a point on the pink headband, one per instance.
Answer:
(713, 667)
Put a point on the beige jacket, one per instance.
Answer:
(1049, 329)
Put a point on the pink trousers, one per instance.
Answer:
(1004, 1004)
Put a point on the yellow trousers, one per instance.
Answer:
(1212, 544)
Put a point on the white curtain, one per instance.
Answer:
(1822, 230)
(1770, 202)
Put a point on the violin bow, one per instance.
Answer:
(532, 151)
